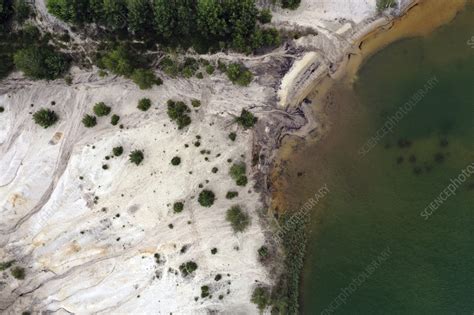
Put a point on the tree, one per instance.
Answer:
(40, 62)
(178, 111)
(261, 297)
(45, 117)
(71, 11)
(89, 121)
(22, 10)
(100, 109)
(164, 21)
(237, 172)
(206, 198)
(145, 78)
(114, 120)
(144, 104)
(136, 157)
(238, 219)
(115, 14)
(246, 119)
(140, 16)
(118, 61)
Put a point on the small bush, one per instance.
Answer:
(214, 251)
(18, 273)
(2, 109)
(237, 172)
(232, 136)
(178, 112)
(45, 117)
(195, 103)
(384, 4)
(204, 291)
(144, 104)
(176, 161)
(188, 268)
(218, 277)
(263, 253)
(136, 157)
(261, 297)
(265, 16)
(40, 62)
(206, 198)
(117, 151)
(114, 120)
(5, 265)
(231, 194)
(239, 74)
(238, 219)
(210, 69)
(145, 78)
(178, 207)
(89, 121)
(100, 109)
(246, 119)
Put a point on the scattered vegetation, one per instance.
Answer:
(136, 157)
(239, 74)
(246, 119)
(117, 151)
(261, 297)
(178, 112)
(45, 117)
(100, 109)
(238, 219)
(178, 207)
(144, 104)
(188, 268)
(206, 198)
(18, 273)
(89, 121)
(237, 172)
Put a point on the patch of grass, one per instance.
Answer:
(136, 157)
(206, 198)
(144, 104)
(100, 109)
(246, 119)
(238, 219)
(178, 207)
(45, 118)
(188, 268)
(117, 151)
(89, 121)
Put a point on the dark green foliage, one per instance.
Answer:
(210, 69)
(214, 251)
(188, 268)
(89, 121)
(290, 4)
(114, 120)
(231, 194)
(178, 112)
(176, 161)
(246, 119)
(238, 219)
(140, 16)
(195, 103)
(22, 10)
(45, 117)
(114, 14)
(40, 62)
(206, 198)
(204, 291)
(239, 74)
(72, 11)
(145, 78)
(100, 109)
(144, 104)
(178, 207)
(218, 277)
(384, 4)
(265, 16)
(232, 136)
(117, 151)
(237, 172)
(118, 61)
(18, 273)
(261, 297)
(263, 253)
(136, 157)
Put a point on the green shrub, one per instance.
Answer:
(144, 104)
(290, 4)
(204, 291)
(145, 78)
(118, 61)
(231, 194)
(265, 16)
(188, 268)
(206, 198)
(239, 74)
(89, 121)
(18, 273)
(178, 112)
(214, 251)
(45, 118)
(210, 69)
(136, 157)
(246, 119)
(261, 297)
(100, 109)
(178, 207)
(169, 66)
(176, 161)
(195, 103)
(117, 151)
(263, 253)
(114, 120)
(238, 219)
(218, 277)
(242, 181)
(237, 172)
(384, 4)
(40, 62)
(232, 136)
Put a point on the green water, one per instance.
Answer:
(375, 202)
